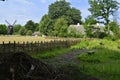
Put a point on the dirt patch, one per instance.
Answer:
(67, 58)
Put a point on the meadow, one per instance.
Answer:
(25, 39)
(103, 61)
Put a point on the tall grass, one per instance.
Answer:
(50, 54)
(104, 63)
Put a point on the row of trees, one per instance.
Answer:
(29, 28)
(60, 15)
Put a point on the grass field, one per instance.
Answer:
(21, 39)
(104, 63)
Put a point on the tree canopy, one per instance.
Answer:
(60, 16)
(30, 25)
(46, 25)
(62, 8)
(103, 9)
(58, 9)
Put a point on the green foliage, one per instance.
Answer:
(22, 31)
(104, 62)
(51, 24)
(103, 9)
(30, 25)
(17, 28)
(114, 27)
(46, 25)
(58, 9)
(89, 21)
(29, 32)
(3, 29)
(73, 16)
(50, 54)
(60, 27)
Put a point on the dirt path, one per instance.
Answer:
(67, 58)
(70, 59)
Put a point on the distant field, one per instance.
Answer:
(22, 39)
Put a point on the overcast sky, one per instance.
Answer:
(24, 10)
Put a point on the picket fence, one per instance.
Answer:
(34, 47)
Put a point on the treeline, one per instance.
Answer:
(28, 29)
(61, 16)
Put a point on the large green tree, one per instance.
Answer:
(22, 31)
(88, 24)
(30, 25)
(73, 15)
(58, 9)
(46, 25)
(114, 27)
(103, 9)
(17, 28)
(60, 27)
(62, 8)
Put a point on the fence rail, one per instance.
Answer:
(33, 47)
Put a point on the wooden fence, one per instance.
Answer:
(34, 47)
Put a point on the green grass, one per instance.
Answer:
(104, 63)
(50, 54)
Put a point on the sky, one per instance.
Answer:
(24, 10)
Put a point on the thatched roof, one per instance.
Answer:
(79, 28)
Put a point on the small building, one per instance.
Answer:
(79, 28)
(36, 34)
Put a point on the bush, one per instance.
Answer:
(22, 31)
(111, 37)
(29, 32)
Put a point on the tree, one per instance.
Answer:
(46, 25)
(62, 9)
(73, 15)
(37, 26)
(3, 29)
(58, 9)
(30, 25)
(17, 28)
(29, 33)
(22, 31)
(60, 27)
(114, 27)
(103, 9)
(89, 21)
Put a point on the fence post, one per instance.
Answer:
(18, 47)
(24, 47)
(14, 46)
(27, 46)
(9, 45)
(3, 47)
